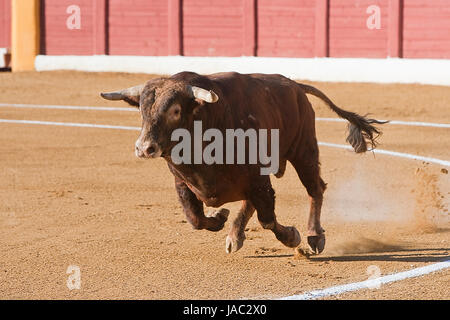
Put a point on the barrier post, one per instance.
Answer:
(174, 24)
(25, 34)
(321, 28)
(395, 29)
(249, 41)
(100, 27)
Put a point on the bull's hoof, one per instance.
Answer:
(220, 216)
(290, 237)
(234, 243)
(316, 243)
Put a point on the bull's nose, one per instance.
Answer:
(146, 150)
(150, 151)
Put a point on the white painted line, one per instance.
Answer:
(355, 286)
(325, 144)
(397, 122)
(70, 124)
(391, 153)
(40, 106)
(132, 109)
(420, 124)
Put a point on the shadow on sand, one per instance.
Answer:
(403, 255)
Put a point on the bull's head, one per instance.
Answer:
(165, 105)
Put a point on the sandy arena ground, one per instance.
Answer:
(79, 196)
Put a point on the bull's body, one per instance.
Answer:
(237, 101)
(256, 101)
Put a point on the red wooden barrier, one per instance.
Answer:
(138, 27)
(349, 33)
(321, 39)
(61, 39)
(174, 21)
(99, 29)
(249, 39)
(5, 23)
(426, 31)
(395, 25)
(286, 28)
(213, 27)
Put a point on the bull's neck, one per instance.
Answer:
(217, 115)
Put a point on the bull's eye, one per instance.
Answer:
(174, 113)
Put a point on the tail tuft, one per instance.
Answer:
(362, 133)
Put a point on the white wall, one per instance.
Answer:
(424, 71)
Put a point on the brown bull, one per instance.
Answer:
(231, 101)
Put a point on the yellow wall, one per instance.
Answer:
(25, 34)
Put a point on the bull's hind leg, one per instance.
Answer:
(262, 197)
(236, 237)
(193, 208)
(308, 170)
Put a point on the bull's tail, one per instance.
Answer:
(360, 129)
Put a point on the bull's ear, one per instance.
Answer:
(131, 95)
(203, 94)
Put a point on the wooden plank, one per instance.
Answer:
(321, 40)
(249, 38)
(349, 35)
(213, 27)
(139, 27)
(285, 28)
(395, 32)
(59, 39)
(425, 29)
(5, 24)
(174, 28)
(99, 30)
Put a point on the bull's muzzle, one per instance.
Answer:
(147, 149)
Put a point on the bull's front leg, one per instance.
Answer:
(193, 209)
(236, 237)
(262, 197)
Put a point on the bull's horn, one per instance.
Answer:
(132, 94)
(203, 94)
(112, 95)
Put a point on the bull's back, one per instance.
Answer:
(265, 101)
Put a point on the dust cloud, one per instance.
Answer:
(418, 203)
